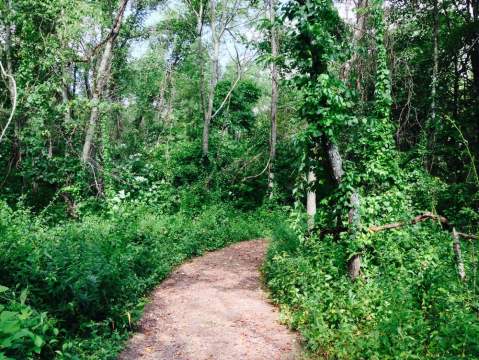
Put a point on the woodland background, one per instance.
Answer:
(138, 133)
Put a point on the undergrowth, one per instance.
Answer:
(74, 290)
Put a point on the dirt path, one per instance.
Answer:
(213, 307)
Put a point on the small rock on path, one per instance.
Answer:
(214, 308)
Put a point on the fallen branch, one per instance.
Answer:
(417, 219)
(399, 224)
(468, 236)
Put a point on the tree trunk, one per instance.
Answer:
(431, 124)
(171, 99)
(214, 79)
(274, 95)
(103, 75)
(457, 251)
(161, 98)
(311, 198)
(335, 160)
(71, 206)
(475, 66)
(64, 69)
(354, 263)
(354, 63)
(199, 45)
(435, 63)
(336, 163)
(8, 54)
(86, 82)
(65, 95)
(475, 48)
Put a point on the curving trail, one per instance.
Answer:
(213, 307)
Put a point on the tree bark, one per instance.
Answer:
(86, 83)
(354, 63)
(161, 98)
(165, 85)
(435, 63)
(199, 45)
(11, 84)
(171, 99)
(103, 74)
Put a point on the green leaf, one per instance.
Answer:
(23, 296)
(38, 341)
(9, 323)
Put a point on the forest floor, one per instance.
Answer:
(214, 307)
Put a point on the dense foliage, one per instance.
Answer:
(89, 278)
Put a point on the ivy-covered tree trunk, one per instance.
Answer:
(354, 218)
(337, 171)
(103, 74)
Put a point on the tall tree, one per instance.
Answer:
(274, 92)
(102, 76)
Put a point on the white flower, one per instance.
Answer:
(140, 178)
